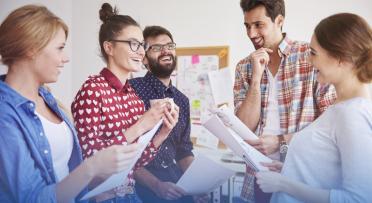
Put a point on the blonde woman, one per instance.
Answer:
(40, 158)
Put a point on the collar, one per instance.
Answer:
(9, 94)
(114, 82)
(157, 85)
(285, 45)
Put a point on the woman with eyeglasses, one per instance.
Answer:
(106, 109)
(40, 157)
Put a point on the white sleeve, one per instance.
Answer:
(354, 140)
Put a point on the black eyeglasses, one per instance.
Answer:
(160, 47)
(133, 44)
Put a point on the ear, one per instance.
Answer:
(279, 20)
(108, 47)
(31, 54)
(145, 61)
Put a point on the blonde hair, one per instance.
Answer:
(348, 37)
(26, 30)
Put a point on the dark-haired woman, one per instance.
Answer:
(107, 110)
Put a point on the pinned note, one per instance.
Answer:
(195, 59)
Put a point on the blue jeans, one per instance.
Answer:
(129, 198)
(239, 200)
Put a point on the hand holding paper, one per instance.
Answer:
(118, 178)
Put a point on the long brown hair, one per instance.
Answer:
(348, 37)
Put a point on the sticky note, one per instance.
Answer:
(195, 59)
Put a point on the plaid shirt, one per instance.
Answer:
(301, 98)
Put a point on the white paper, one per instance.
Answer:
(119, 178)
(231, 139)
(203, 176)
(221, 86)
(228, 117)
(204, 137)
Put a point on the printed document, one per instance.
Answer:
(231, 139)
(119, 178)
(203, 176)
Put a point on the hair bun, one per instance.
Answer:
(106, 12)
(364, 66)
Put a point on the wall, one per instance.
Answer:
(192, 22)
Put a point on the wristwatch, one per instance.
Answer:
(283, 147)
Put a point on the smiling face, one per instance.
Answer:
(120, 55)
(329, 69)
(161, 63)
(260, 28)
(50, 60)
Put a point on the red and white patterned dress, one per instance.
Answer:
(103, 109)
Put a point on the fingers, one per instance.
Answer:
(129, 148)
(271, 166)
(254, 143)
(267, 50)
(170, 119)
(174, 193)
(261, 55)
(266, 164)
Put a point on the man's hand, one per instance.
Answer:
(168, 191)
(266, 144)
(275, 166)
(170, 119)
(259, 60)
(204, 198)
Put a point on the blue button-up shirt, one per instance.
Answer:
(178, 144)
(26, 167)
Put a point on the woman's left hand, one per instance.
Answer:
(269, 181)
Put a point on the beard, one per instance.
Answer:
(159, 70)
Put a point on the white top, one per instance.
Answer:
(272, 126)
(61, 144)
(334, 153)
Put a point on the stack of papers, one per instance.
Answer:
(231, 135)
(228, 117)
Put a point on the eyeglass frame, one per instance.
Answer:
(144, 44)
(162, 46)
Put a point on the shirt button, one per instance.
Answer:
(31, 105)
(46, 151)
(41, 134)
(166, 147)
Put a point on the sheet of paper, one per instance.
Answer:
(228, 117)
(203, 176)
(119, 178)
(221, 85)
(231, 139)
(204, 137)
